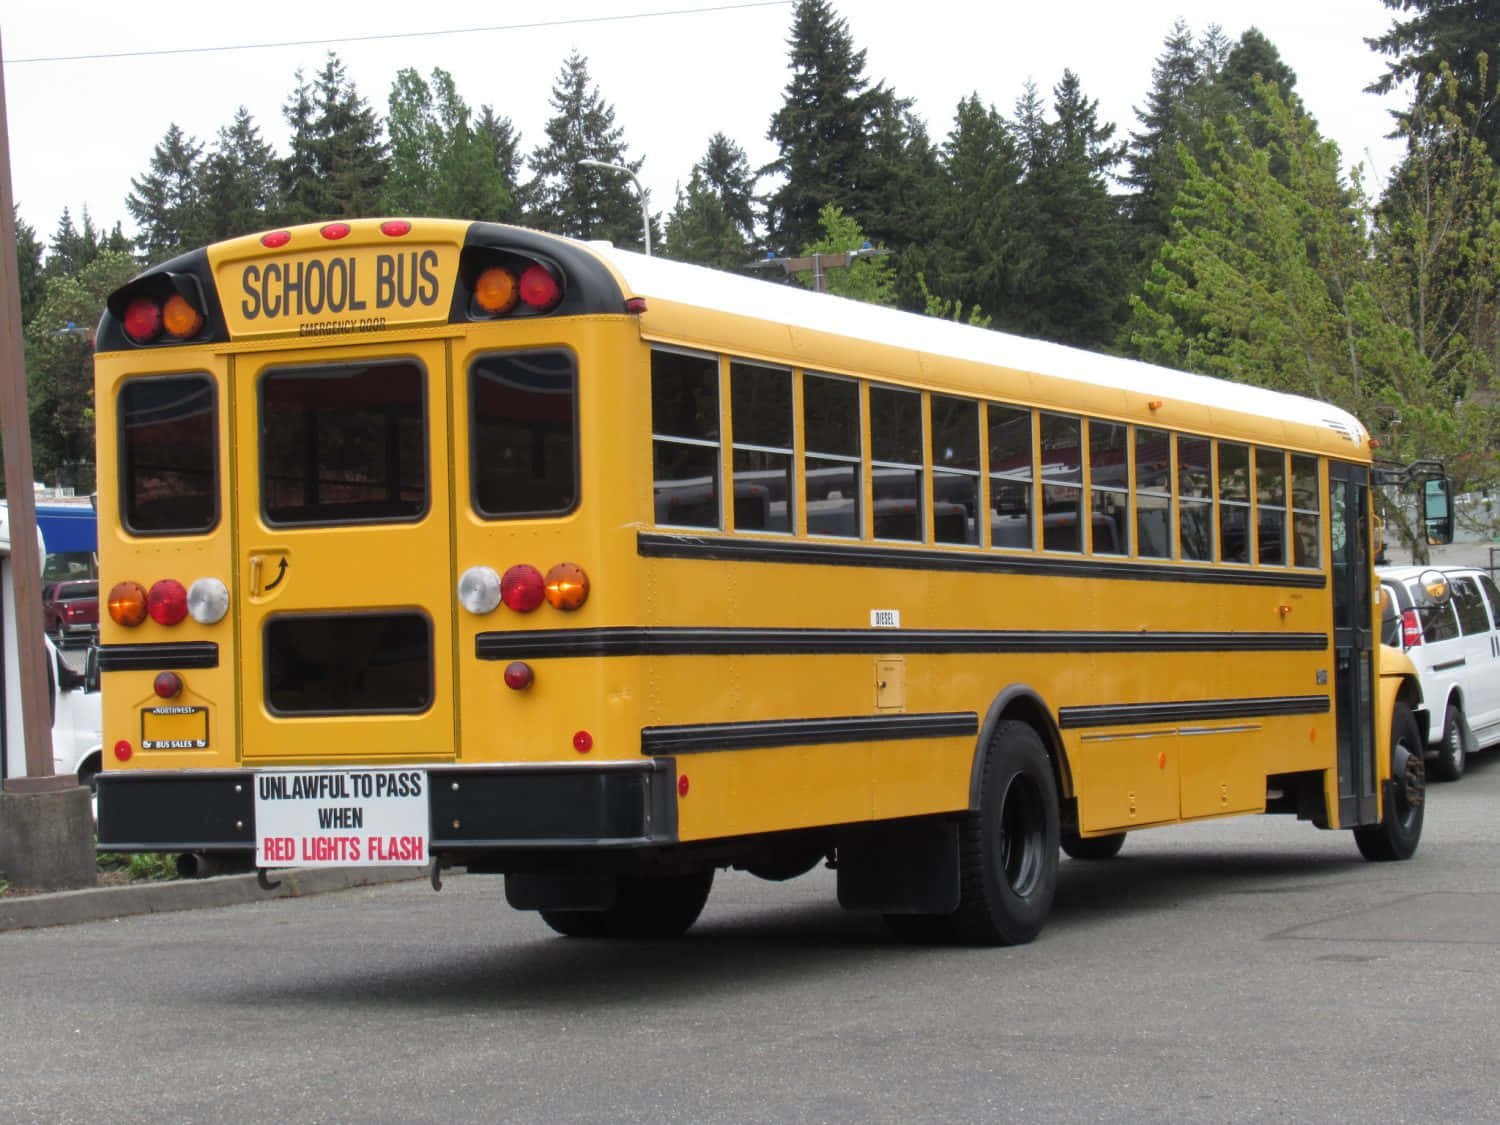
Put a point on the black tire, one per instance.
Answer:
(1075, 846)
(658, 908)
(88, 773)
(575, 923)
(1400, 828)
(1453, 754)
(1008, 848)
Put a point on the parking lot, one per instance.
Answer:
(1238, 970)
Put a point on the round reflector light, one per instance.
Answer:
(518, 675)
(479, 590)
(207, 601)
(180, 318)
(335, 231)
(168, 685)
(395, 228)
(275, 239)
(123, 750)
(539, 289)
(522, 589)
(127, 603)
(567, 586)
(495, 291)
(142, 320)
(583, 742)
(167, 602)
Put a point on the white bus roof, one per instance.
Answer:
(801, 308)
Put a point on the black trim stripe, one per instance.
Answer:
(720, 549)
(700, 737)
(1449, 665)
(640, 641)
(1133, 714)
(144, 658)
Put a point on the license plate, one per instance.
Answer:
(174, 728)
(341, 817)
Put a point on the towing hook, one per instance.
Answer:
(264, 881)
(435, 873)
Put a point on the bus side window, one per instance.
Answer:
(955, 470)
(760, 414)
(1153, 493)
(1195, 492)
(685, 438)
(1305, 511)
(1109, 484)
(831, 424)
(896, 462)
(1010, 477)
(1270, 506)
(1062, 483)
(1234, 502)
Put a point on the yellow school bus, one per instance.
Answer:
(466, 545)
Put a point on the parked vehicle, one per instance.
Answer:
(70, 612)
(1446, 618)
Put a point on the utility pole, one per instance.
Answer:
(817, 264)
(46, 837)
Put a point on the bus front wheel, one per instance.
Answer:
(1400, 827)
(1008, 848)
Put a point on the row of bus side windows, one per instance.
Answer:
(1104, 487)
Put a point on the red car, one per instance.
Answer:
(70, 612)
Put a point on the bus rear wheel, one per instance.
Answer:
(1008, 848)
(1400, 827)
(1075, 846)
(660, 907)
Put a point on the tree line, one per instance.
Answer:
(1222, 234)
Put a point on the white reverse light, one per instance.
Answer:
(479, 590)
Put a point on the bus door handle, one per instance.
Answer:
(267, 571)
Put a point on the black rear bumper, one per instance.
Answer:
(474, 810)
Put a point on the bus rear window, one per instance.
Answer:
(348, 664)
(524, 433)
(344, 444)
(169, 455)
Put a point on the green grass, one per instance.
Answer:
(141, 865)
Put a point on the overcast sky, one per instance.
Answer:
(81, 129)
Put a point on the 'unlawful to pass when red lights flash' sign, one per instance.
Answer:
(340, 818)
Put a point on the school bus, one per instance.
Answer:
(466, 545)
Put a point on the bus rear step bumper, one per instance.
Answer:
(473, 809)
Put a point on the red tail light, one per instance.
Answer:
(167, 602)
(539, 288)
(523, 588)
(1411, 629)
(143, 320)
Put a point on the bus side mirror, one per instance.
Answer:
(1437, 510)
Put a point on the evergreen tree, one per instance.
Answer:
(241, 188)
(29, 279)
(502, 137)
(439, 165)
(1071, 279)
(974, 249)
(60, 368)
(166, 202)
(822, 130)
(713, 222)
(1465, 34)
(573, 199)
(336, 164)
(71, 249)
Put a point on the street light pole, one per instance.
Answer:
(645, 214)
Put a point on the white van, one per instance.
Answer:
(1445, 619)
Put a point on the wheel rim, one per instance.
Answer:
(1411, 783)
(1022, 830)
(1455, 744)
